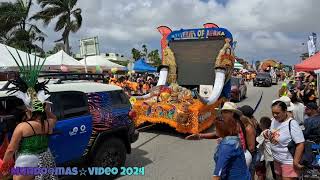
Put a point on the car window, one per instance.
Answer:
(263, 75)
(73, 104)
(119, 99)
(55, 107)
(235, 81)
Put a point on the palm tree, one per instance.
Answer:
(15, 27)
(145, 50)
(69, 19)
(154, 57)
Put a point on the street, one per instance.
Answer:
(167, 156)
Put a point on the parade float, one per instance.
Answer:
(268, 64)
(193, 60)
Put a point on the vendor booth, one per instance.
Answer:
(238, 65)
(141, 66)
(310, 64)
(93, 61)
(62, 61)
(7, 63)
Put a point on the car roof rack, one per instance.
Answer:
(61, 76)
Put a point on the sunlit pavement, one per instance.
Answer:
(166, 155)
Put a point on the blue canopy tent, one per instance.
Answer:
(141, 66)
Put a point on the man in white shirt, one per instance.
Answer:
(298, 109)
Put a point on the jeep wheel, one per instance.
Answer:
(112, 153)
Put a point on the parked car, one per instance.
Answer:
(264, 79)
(238, 89)
(94, 123)
(274, 79)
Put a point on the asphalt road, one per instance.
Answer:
(165, 155)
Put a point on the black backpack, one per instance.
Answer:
(308, 156)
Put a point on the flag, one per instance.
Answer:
(164, 31)
(314, 37)
(311, 46)
(210, 25)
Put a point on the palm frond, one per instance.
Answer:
(44, 3)
(74, 26)
(47, 14)
(35, 29)
(72, 3)
(78, 18)
(62, 22)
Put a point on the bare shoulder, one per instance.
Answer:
(52, 122)
(20, 127)
(250, 128)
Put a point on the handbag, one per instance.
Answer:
(307, 157)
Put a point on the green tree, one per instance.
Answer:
(304, 56)
(15, 27)
(69, 17)
(136, 54)
(154, 57)
(57, 47)
(144, 51)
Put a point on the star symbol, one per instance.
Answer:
(83, 172)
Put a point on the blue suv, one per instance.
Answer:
(93, 124)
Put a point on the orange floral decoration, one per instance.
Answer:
(186, 116)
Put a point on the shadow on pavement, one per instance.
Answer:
(137, 158)
(163, 129)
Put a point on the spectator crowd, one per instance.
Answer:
(277, 147)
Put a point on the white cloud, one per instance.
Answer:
(263, 28)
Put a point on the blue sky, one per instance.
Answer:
(263, 28)
(223, 2)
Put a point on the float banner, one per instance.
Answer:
(203, 33)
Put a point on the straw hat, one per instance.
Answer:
(230, 106)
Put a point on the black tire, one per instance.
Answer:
(111, 153)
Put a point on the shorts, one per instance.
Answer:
(27, 160)
(285, 170)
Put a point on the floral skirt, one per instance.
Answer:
(46, 160)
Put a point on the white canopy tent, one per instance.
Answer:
(238, 65)
(7, 62)
(93, 61)
(56, 61)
